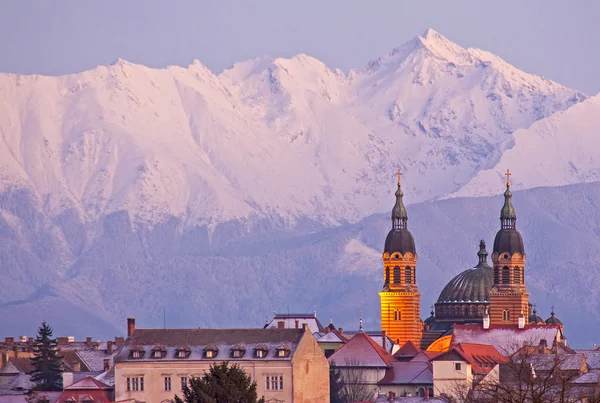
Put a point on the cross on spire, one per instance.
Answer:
(507, 174)
(399, 173)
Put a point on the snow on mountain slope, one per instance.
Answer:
(266, 138)
(558, 150)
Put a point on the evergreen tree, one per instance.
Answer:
(336, 394)
(47, 373)
(222, 384)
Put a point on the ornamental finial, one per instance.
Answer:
(399, 173)
(507, 174)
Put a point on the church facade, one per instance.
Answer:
(484, 295)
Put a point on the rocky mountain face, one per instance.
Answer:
(126, 190)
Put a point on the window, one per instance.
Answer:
(457, 366)
(281, 353)
(396, 275)
(506, 315)
(274, 382)
(184, 382)
(517, 275)
(181, 354)
(496, 276)
(329, 352)
(135, 384)
(167, 383)
(261, 353)
(397, 315)
(387, 275)
(209, 354)
(505, 275)
(408, 275)
(238, 353)
(136, 354)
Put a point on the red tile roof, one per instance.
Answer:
(482, 357)
(361, 350)
(408, 350)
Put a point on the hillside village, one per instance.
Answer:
(484, 342)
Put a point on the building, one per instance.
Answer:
(286, 364)
(400, 297)
(87, 390)
(459, 369)
(480, 296)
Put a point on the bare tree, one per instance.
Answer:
(354, 381)
(531, 377)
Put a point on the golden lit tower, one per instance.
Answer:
(509, 299)
(400, 297)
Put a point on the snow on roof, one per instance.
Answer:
(402, 373)
(506, 339)
(361, 350)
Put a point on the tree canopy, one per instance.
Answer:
(221, 384)
(47, 373)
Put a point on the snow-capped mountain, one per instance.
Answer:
(558, 150)
(268, 137)
(126, 190)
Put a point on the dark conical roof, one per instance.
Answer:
(508, 239)
(399, 239)
(553, 320)
(535, 319)
(471, 285)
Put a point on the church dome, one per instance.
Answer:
(508, 241)
(399, 240)
(471, 285)
(553, 320)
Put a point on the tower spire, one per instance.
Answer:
(508, 214)
(482, 254)
(399, 214)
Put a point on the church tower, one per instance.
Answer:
(400, 297)
(509, 299)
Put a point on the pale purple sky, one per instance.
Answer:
(554, 38)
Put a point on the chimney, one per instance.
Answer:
(106, 364)
(297, 322)
(4, 358)
(305, 327)
(31, 340)
(110, 348)
(341, 330)
(130, 326)
(521, 321)
(383, 339)
(281, 325)
(88, 341)
(16, 351)
(327, 330)
(9, 341)
(76, 366)
(543, 345)
(391, 396)
(63, 341)
(22, 339)
(486, 320)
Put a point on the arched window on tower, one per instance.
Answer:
(397, 275)
(505, 275)
(506, 315)
(466, 312)
(408, 275)
(496, 275)
(517, 275)
(387, 275)
(397, 315)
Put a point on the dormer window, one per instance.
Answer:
(261, 351)
(238, 351)
(182, 352)
(211, 351)
(159, 351)
(283, 351)
(136, 352)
